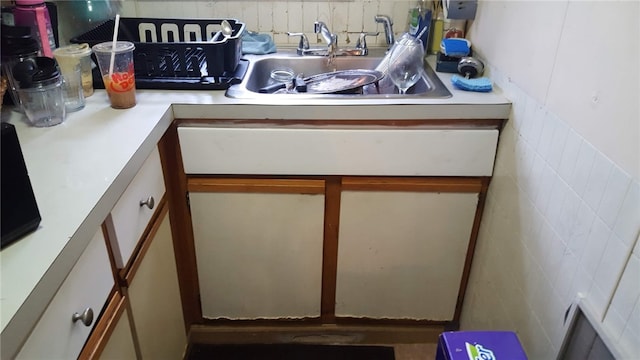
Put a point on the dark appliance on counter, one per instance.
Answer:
(20, 214)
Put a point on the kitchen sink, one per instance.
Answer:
(258, 76)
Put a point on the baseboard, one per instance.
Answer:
(314, 334)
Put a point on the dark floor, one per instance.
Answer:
(401, 351)
(290, 352)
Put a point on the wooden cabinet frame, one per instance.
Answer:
(116, 305)
(179, 185)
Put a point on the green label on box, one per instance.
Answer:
(479, 352)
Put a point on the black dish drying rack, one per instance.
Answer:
(177, 54)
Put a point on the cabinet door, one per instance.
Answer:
(57, 336)
(259, 247)
(401, 254)
(154, 296)
(120, 345)
(112, 338)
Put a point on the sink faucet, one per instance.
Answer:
(321, 28)
(388, 27)
(331, 39)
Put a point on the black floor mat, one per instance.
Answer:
(290, 352)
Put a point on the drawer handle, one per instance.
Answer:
(86, 317)
(150, 202)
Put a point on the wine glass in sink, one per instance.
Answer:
(405, 63)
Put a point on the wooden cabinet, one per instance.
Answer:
(402, 247)
(154, 295)
(265, 250)
(258, 247)
(143, 318)
(61, 332)
(396, 222)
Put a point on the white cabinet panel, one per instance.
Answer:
(258, 255)
(129, 217)
(120, 345)
(88, 284)
(401, 254)
(397, 152)
(154, 296)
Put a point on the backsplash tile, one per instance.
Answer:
(558, 144)
(581, 171)
(565, 223)
(596, 244)
(611, 264)
(547, 180)
(546, 138)
(613, 196)
(615, 324)
(626, 298)
(532, 187)
(558, 193)
(344, 18)
(628, 221)
(598, 179)
(581, 229)
(565, 275)
(572, 146)
(599, 301)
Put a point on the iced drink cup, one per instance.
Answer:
(76, 55)
(119, 80)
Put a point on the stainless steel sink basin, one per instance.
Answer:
(260, 67)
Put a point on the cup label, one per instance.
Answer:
(122, 81)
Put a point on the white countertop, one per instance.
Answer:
(79, 168)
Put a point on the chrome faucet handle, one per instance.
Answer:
(304, 41)
(388, 27)
(362, 39)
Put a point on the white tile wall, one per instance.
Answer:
(345, 18)
(557, 223)
(628, 220)
(564, 216)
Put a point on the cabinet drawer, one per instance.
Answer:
(284, 151)
(88, 284)
(130, 216)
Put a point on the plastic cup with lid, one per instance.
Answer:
(118, 72)
(77, 55)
